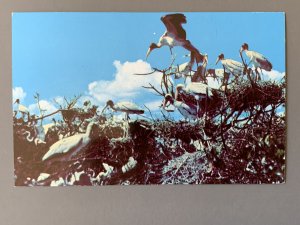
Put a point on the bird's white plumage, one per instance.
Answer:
(198, 88)
(219, 73)
(183, 69)
(188, 112)
(72, 144)
(252, 55)
(258, 60)
(126, 107)
(48, 126)
(168, 39)
(65, 145)
(23, 109)
(232, 66)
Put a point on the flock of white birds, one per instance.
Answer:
(174, 35)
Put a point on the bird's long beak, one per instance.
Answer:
(148, 53)
(241, 49)
(164, 103)
(205, 60)
(104, 109)
(217, 61)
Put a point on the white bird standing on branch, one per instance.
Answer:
(230, 65)
(219, 75)
(189, 111)
(21, 108)
(183, 70)
(198, 90)
(257, 59)
(68, 147)
(175, 35)
(126, 107)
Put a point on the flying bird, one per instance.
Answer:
(66, 148)
(175, 35)
(189, 111)
(234, 67)
(257, 59)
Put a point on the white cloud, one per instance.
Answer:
(273, 75)
(18, 93)
(60, 101)
(125, 85)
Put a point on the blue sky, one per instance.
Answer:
(62, 54)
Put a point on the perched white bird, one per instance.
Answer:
(175, 35)
(257, 59)
(183, 70)
(70, 146)
(216, 73)
(126, 107)
(197, 88)
(234, 67)
(189, 111)
(21, 108)
(219, 75)
(198, 91)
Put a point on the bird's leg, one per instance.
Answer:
(198, 108)
(257, 75)
(261, 72)
(249, 76)
(171, 52)
(23, 116)
(225, 79)
(126, 125)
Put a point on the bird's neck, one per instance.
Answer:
(89, 130)
(177, 103)
(158, 45)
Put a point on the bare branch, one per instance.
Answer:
(152, 87)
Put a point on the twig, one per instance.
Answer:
(152, 87)
(149, 112)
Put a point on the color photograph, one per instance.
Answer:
(119, 98)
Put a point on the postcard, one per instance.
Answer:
(120, 98)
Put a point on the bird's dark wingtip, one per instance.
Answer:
(179, 17)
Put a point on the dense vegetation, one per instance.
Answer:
(240, 138)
